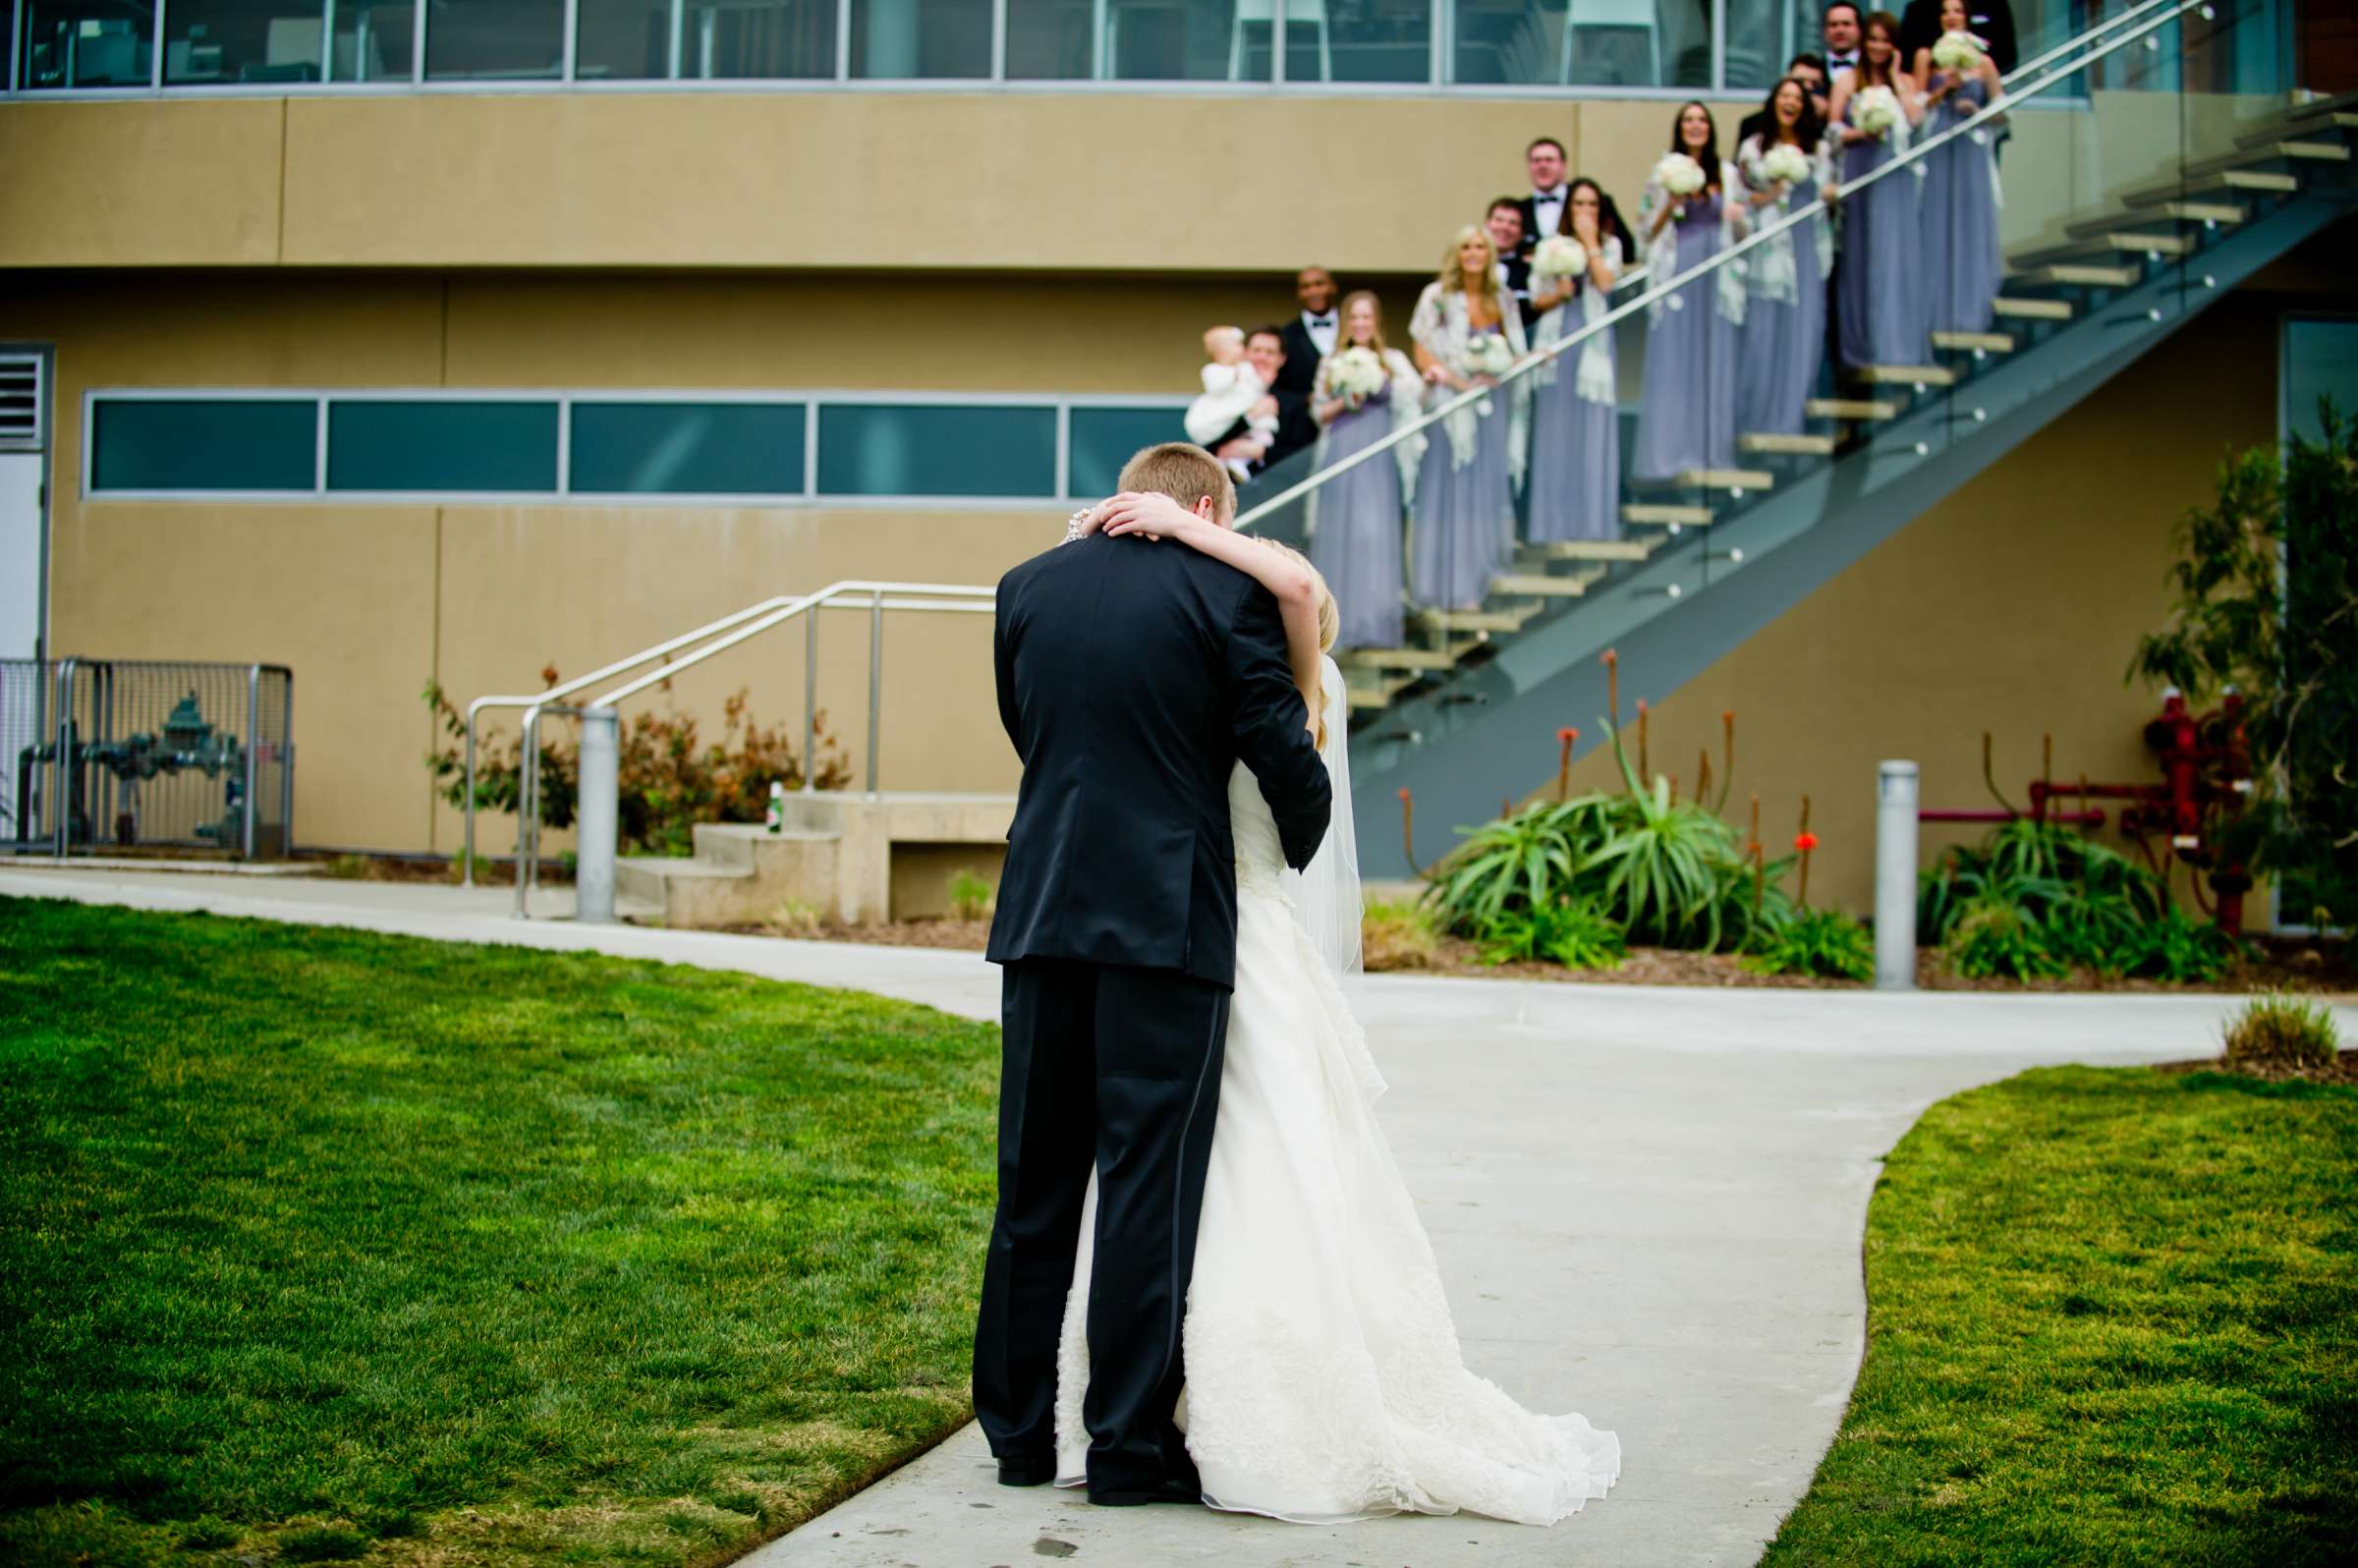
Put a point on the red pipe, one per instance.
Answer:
(2087, 818)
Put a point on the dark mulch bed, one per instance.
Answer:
(958, 936)
(2343, 1068)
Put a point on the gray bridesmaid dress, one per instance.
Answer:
(1784, 340)
(1355, 541)
(1960, 219)
(1882, 319)
(1575, 484)
(1464, 512)
(1687, 419)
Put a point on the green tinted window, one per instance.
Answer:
(889, 449)
(441, 445)
(1104, 438)
(687, 448)
(204, 444)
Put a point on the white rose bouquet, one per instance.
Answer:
(1679, 174)
(1559, 256)
(1960, 52)
(1489, 354)
(1785, 162)
(1875, 111)
(1356, 374)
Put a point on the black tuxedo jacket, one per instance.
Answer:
(1132, 678)
(1297, 427)
(1991, 21)
(1300, 372)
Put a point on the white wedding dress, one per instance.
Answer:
(1324, 1377)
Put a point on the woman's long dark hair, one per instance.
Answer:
(1710, 146)
(1807, 129)
(1890, 25)
(1608, 220)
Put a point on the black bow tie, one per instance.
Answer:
(1321, 320)
(1841, 60)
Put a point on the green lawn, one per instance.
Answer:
(2113, 1317)
(321, 1245)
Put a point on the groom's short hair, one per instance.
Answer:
(1186, 474)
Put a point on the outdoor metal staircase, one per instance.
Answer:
(1710, 557)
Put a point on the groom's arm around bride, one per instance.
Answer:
(1132, 678)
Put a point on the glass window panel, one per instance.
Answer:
(373, 42)
(204, 444)
(1762, 36)
(441, 445)
(901, 449)
(89, 43)
(1103, 439)
(268, 41)
(688, 448)
(622, 40)
(494, 38)
(2321, 360)
(897, 39)
(1588, 42)
(757, 39)
(1358, 40)
(1151, 40)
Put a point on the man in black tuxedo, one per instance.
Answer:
(1132, 678)
(1504, 223)
(1297, 426)
(1309, 336)
(1991, 21)
(1840, 27)
(1544, 160)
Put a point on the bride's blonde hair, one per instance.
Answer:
(1330, 627)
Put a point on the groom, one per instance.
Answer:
(1132, 678)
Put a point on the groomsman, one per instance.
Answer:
(1544, 209)
(1504, 221)
(1309, 337)
(1838, 27)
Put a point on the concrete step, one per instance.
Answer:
(1782, 445)
(2264, 182)
(1974, 342)
(1660, 514)
(2076, 276)
(1589, 550)
(1851, 409)
(1918, 377)
(2022, 310)
(1538, 584)
(2180, 211)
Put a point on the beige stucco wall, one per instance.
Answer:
(1055, 183)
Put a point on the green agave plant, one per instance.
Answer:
(1665, 861)
(1520, 862)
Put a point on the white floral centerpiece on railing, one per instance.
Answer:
(1785, 163)
(1679, 175)
(1875, 111)
(1960, 52)
(1489, 353)
(1559, 256)
(1357, 375)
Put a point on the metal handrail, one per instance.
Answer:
(2171, 10)
(728, 633)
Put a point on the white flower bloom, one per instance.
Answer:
(1679, 174)
(1357, 372)
(1960, 52)
(1785, 162)
(1489, 354)
(1559, 257)
(1875, 111)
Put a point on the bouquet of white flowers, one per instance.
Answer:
(1559, 256)
(1960, 52)
(1875, 111)
(1489, 354)
(1356, 372)
(1785, 162)
(1679, 174)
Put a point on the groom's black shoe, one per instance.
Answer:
(1027, 1472)
(1184, 1488)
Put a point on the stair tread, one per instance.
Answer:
(1782, 442)
(1664, 512)
(2179, 211)
(1917, 374)
(1540, 584)
(2221, 180)
(2077, 275)
(1591, 550)
(1850, 409)
(1722, 480)
(2033, 309)
(1986, 342)
(1475, 620)
(1397, 658)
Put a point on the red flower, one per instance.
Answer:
(1404, 795)
(1805, 842)
(1568, 735)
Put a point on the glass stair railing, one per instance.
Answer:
(2120, 178)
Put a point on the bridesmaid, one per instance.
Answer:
(1687, 419)
(1575, 489)
(1960, 189)
(1465, 514)
(1358, 550)
(1882, 315)
(1785, 321)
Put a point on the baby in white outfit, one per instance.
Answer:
(1231, 391)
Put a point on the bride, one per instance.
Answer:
(1324, 1380)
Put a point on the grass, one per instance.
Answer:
(322, 1246)
(2113, 1317)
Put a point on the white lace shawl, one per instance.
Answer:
(1408, 398)
(1661, 252)
(1775, 271)
(1440, 328)
(1593, 380)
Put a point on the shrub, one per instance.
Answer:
(1578, 932)
(2275, 1029)
(1816, 941)
(1993, 938)
(1517, 863)
(2037, 867)
(2177, 949)
(970, 896)
(795, 918)
(1397, 935)
(669, 780)
(208, 1533)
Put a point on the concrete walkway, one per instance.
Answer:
(1647, 1205)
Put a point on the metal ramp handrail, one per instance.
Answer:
(2154, 15)
(715, 637)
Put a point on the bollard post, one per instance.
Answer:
(1895, 834)
(595, 817)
